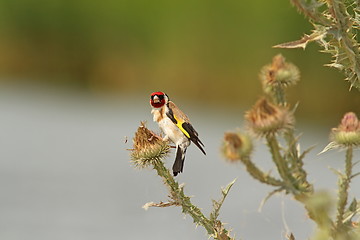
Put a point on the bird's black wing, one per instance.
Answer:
(193, 135)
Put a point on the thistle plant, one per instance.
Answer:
(149, 150)
(347, 137)
(271, 119)
(336, 24)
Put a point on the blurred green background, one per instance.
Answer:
(209, 51)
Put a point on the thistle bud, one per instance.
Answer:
(236, 146)
(148, 147)
(348, 132)
(267, 118)
(280, 73)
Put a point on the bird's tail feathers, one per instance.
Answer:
(179, 160)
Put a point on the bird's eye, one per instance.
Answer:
(159, 95)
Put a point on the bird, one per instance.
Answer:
(176, 127)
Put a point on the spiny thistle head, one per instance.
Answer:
(236, 146)
(348, 131)
(148, 147)
(279, 72)
(267, 118)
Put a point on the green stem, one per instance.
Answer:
(280, 162)
(259, 175)
(344, 183)
(297, 164)
(299, 195)
(279, 95)
(348, 163)
(183, 200)
(215, 230)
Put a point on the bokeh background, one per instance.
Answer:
(75, 78)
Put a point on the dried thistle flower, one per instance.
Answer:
(236, 146)
(279, 73)
(348, 131)
(148, 147)
(267, 118)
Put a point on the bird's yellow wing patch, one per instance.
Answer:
(179, 124)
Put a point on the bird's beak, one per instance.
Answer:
(156, 99)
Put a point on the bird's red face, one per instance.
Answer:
(158, 99)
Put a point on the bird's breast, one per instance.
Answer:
(158, 114)
(172, 131)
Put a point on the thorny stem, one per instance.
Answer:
(296, 164)
(256, 173)
(300, 195)
(344, 183)
(182, 199)
(217, 231)
(342, 27)
(150, 149)
(309, 11)
(343, 24)
(293, 153)
(280, 163)
(296, 161)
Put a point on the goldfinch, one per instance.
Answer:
(176, 126)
